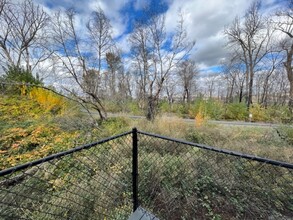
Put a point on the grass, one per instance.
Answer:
(175, 181)
(259, 141)
(29, 132)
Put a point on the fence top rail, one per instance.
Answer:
(60, 154)
(88, 146)
(222, 151)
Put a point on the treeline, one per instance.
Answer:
(87, 66)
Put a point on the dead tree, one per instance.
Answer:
(75, 63)
(100, 31)
(187, 73)
(251, 38)
(283, 23)
(21, 33)
(154, 59)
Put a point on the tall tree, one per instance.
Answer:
(100, 31)
(155, 56)
(187, 73)
(76, 64)
(234, 75)
(250, 38)
(21, 33)
(284, 24)
(270, 63)
(114, 64)
(171, 89)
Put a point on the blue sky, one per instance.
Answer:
(204, 20)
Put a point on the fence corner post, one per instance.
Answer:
(134, 169)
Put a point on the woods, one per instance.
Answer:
(83, 61)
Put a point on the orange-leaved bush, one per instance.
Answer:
(200, 116)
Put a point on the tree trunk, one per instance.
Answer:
(265, 92)
(241, 94)
(151, 108)
(231, 92)
(290, 103)
(251, 76)
(288, 66)
(184, 96)
(187, 96)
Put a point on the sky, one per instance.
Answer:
(204, 20)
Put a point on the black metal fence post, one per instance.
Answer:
(134, 169)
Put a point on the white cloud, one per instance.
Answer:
(112, 10)
(140, 4)
(205, 21)
(123, 44)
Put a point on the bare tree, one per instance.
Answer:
(171, 89)
(269, 65)
(2, 5)
(100, 31)
(154, 59)
(187, 72)
(234, 76)
(75, 63)
(114, 65)
(251, 39)
(210, 81)
(279, 87)
(284, 24)
(21, 33)
(141, 55)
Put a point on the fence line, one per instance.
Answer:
(222, 151)
(59, 155)
(172, 178)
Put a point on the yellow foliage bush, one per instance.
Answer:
(48, 100)
(200, 117)
(258, 113)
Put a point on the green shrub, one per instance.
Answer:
(164, 107)
(16, 74)
(278, 114)
(133, 108)
(214, 109)
(236, 111)
(183, 111)
(115, 125)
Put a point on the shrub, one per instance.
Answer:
(214, 109)
(48, 100)
(236, 111)
(183, 111)
(210, 108)
(258, 113)
(133, 108)
(115, 125)
(278, 114)
(164, 107)
(16, 74)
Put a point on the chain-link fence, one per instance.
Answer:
(182, 180)
(172, 179)
(88, 182)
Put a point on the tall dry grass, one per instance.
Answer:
(259, 141)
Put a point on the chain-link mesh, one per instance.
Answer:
(176, 180)
(180, 181)
(93, 183)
